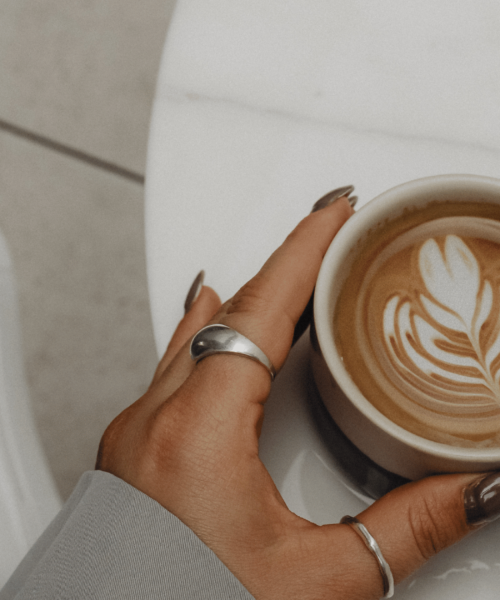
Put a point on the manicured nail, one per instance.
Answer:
(352, 200)
(330, 198)
(482, 500)
(194, 291)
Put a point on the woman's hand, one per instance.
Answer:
(191, 443)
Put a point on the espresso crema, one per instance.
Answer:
(418, 327)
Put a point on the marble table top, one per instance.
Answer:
(262, 107)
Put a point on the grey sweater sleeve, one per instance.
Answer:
(111, 541)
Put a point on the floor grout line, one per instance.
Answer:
(71, 152)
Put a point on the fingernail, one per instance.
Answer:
(482, 500)
(194, 291)
(330, 198)
(352, 200)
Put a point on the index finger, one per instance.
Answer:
(268, 307)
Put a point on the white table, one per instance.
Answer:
(262, 106)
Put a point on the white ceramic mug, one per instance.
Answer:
(381, 440)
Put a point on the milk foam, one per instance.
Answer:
(436, 338)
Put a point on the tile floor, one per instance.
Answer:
(77, 82)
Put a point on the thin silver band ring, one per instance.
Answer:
(371, 544)
(220, 339)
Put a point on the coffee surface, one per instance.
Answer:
(418, 325)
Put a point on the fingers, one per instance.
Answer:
(200, 309)
(413, 523)
(268, 307)
(416, 521)
(410, 525)
(265, 310)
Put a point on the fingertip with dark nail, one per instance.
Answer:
(353, 200)
(194, 291)
(482, 499)
(332, 196)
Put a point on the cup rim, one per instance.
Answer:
(323, 309)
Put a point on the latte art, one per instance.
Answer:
(442, 349)
(427, 330)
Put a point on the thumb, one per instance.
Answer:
(416, 521)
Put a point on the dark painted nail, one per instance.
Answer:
(482, 499)
(353, 200)
(194, 291)
(330, 198)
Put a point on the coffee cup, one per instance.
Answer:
(406, 333)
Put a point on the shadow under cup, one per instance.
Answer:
(377, 448)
